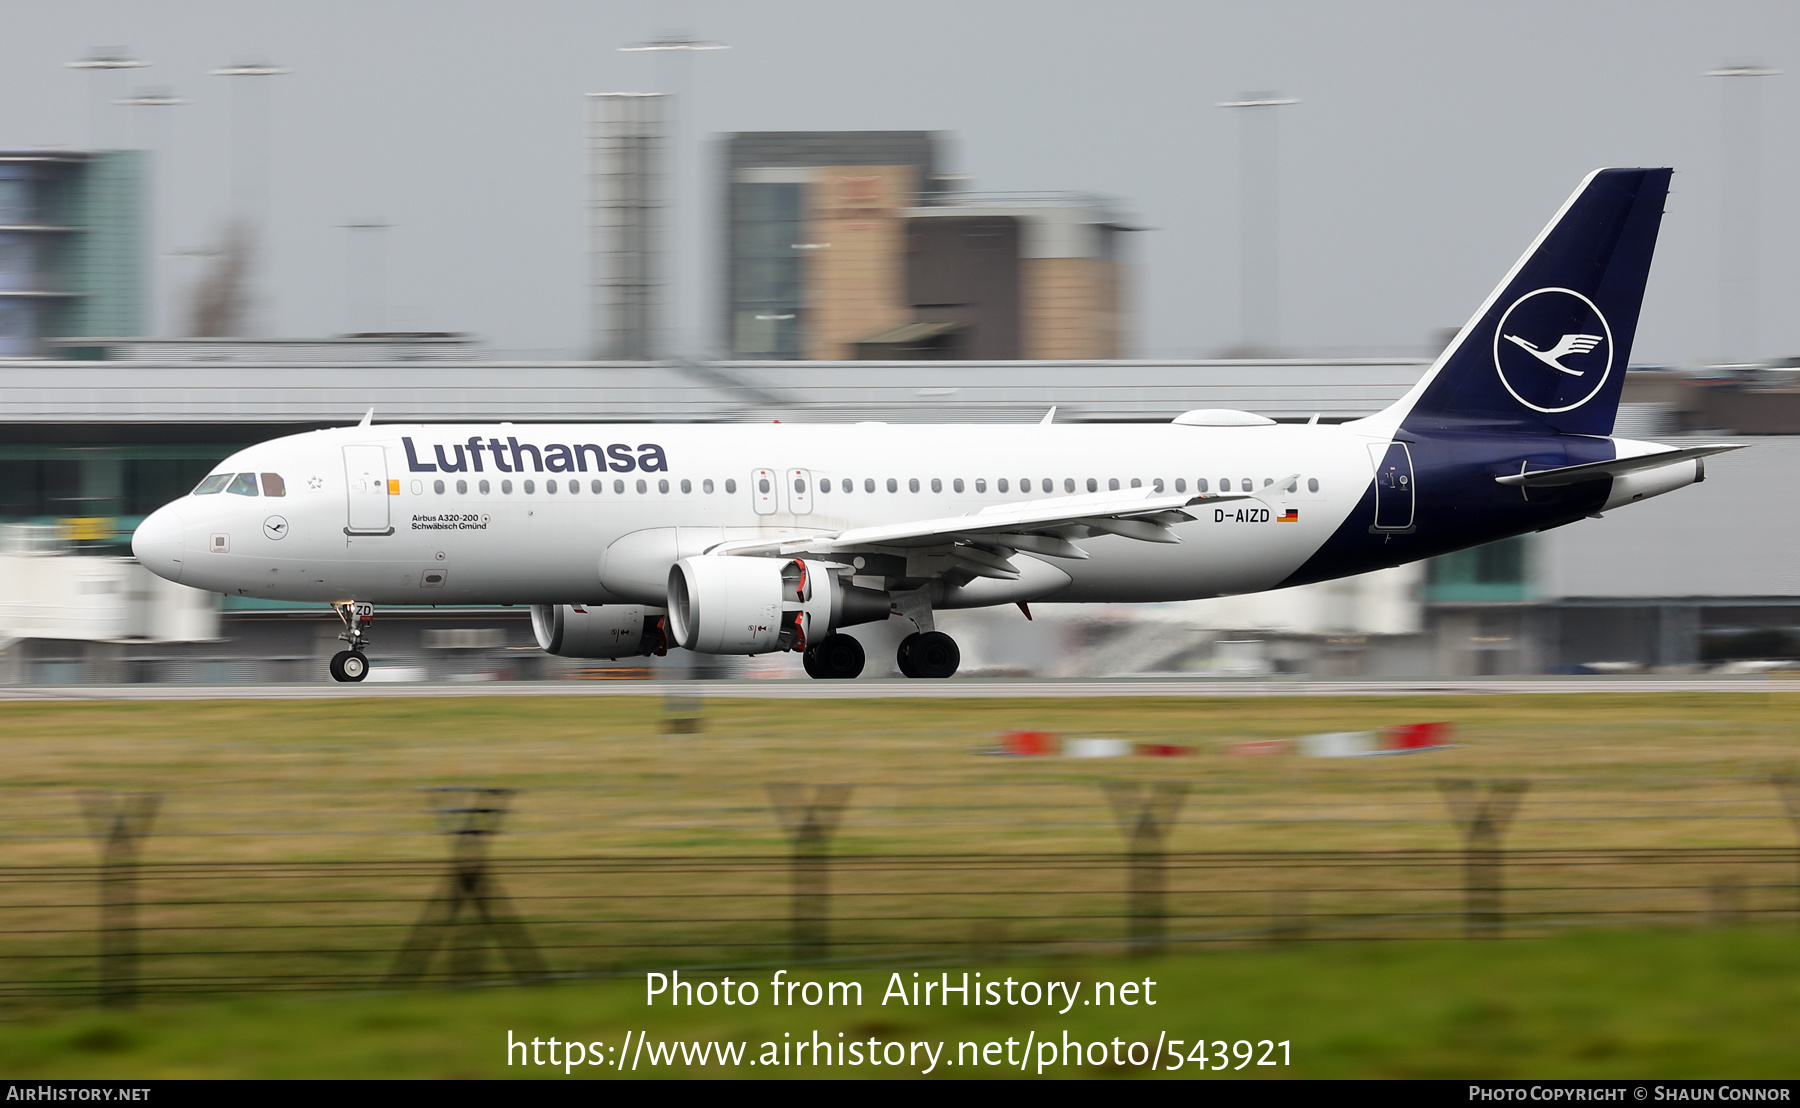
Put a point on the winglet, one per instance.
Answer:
(368, 418)
(1049, 417)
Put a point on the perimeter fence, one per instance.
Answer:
(129, 925)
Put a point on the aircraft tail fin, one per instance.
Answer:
(1548, 348)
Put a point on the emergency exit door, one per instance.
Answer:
(1394, 492)
(367, 490)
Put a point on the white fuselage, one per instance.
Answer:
(335, 536)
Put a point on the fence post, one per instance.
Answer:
(119, 822)
(1788, 785)
(470, 825)
(1483, 815)
(682, 715)
(809, 823)
(1145, 820)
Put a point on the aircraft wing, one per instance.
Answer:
(1043, 526)
(1618, 467)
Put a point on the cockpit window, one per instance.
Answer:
(244, 484)
(215, 483)
(273, 485)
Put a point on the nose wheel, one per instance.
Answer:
(353, 664)
(930, 654)
(349, 665)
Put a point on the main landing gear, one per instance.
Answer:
(835, 658)
(353, 664)
(928, 654)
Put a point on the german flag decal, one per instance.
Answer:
(1292, 515)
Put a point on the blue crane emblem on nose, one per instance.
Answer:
(1553, 350)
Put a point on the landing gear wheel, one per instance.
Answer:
(837, 658)
(349, 665)
(932, 654)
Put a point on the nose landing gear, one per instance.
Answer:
(353, 664)
(349, 665)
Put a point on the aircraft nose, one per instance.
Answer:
(157, 543)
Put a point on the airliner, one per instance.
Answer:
(631, 539)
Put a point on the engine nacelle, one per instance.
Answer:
(599, 630)
(749, 605)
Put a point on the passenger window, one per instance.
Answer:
(1224, 484)
(1200, 485)
(213, 484)
(937, 485)
(913, 484)
(1094, 486)
(868, 484)
(706, 486)
(730, 484)
(483, 487)
(244, 484)
(1312, 484)
(762, 486)
(1267, 481)
(825, 485)
(273, 485)
(1156, 485)
(687, 486)
(437, 487)
(506, 488)
(462, 488)
(619, 486)
(662, 485)
(530, 487)
(1248, 484)
(847, 485)
(644, 486)
(1137, 482)
(957, 484)
(550, 485)
(1112, 485)
(1181, 484)
(981, 484)
(893, 485)
(1294, 485)
(1068, 484)
(799, 484)
(574, 485)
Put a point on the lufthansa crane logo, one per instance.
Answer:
(1553, 350)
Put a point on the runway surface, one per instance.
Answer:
(972, 689)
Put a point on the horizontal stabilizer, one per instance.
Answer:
(1618, 467)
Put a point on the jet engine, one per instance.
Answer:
(599, 630)
(750, 605)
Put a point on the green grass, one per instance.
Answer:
(276, 782)
(1722, 1003)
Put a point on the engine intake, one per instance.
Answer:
(599, 630)
(727, 605)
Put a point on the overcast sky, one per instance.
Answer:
(1432, 142)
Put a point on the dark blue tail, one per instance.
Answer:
(1548, 349)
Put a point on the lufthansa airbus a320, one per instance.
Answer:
(632, 539)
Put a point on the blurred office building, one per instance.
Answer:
(71, 246)
(852, 245)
